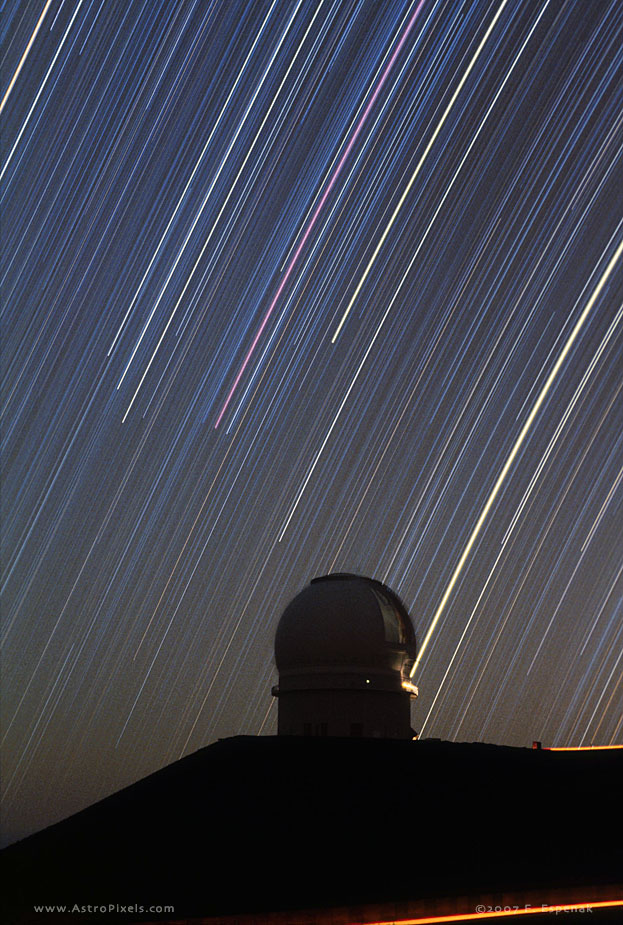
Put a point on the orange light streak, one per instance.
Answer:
(578, 748)
(544, 909)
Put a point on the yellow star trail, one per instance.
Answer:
(294, 288)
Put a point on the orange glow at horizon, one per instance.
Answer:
(544, 909)
(578, 748)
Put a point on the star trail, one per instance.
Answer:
(298, 287)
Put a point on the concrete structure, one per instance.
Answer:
(344, 648)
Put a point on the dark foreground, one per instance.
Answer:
(258, 827)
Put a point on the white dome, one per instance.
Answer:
(345, 621)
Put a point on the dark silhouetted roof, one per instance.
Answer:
(253, 824)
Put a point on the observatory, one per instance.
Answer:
(344, 648)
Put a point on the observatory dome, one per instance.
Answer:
(344, 648)
(345, 620)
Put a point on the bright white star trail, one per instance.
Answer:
(24, 56)
(525, 430)
(291, 288)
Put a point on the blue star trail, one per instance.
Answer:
(298, 287)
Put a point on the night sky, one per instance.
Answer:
(295, 287)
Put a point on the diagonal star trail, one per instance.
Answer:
(318, 210)
(523, 434)
(294, 288)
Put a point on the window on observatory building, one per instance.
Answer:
(307, 729)
(321, 729)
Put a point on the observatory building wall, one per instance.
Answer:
(343, 648)
(356, 713)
